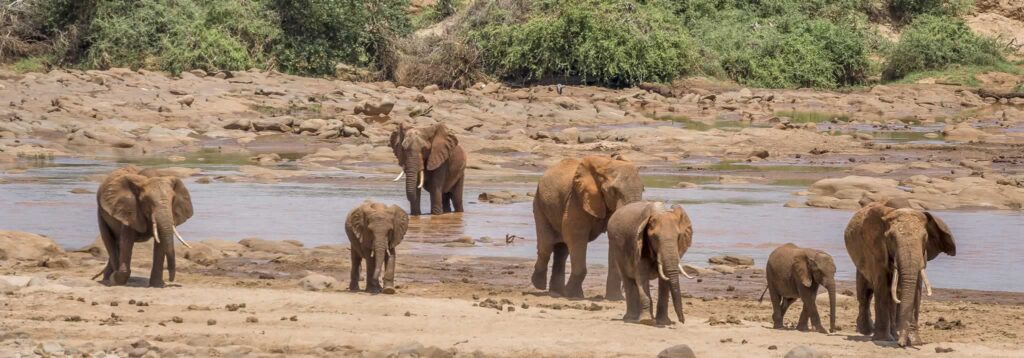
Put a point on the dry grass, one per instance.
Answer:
(13, 28)
(445, 60)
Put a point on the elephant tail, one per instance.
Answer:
(759, 300)
(99, 273)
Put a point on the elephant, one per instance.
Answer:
(374, 231)
(133, 206)
(796, 272)
(431, 158)
(574, 199)
(646, 241)
(891, 244)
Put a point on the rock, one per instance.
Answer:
(23, 246)
(677, 351)
(201, 253)
(375, 108)
(430, 89)
(186, 101)
(244, 124)
(728, 270)
(312, 125)
(686, 185)
(57, 263)
(275, 124)
(267, 158)
(503, 197)
(963, 132)
(347, 131)
(49, 349)
(806, 352)
(732, 260)
(763, 154)
(317, 282)
(943, 350)
(276, 247)
(694, 270)
(863, 136)
(198, 73)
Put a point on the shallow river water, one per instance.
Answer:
(728, 219)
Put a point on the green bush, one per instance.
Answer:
(178, 35)
(937, 42)
(320, 33)
(594, 41)
(907, 9)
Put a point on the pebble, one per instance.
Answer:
(211, 322)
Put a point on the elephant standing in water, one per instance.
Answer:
(646, 242)
(431, 158)
(795, 272)
(134, 206)
(574, 200)
(891, 245)
(375, 230)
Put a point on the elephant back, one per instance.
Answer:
(623, 224)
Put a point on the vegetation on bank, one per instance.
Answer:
(760, 43)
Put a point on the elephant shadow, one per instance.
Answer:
(136, 281)
(885, 344)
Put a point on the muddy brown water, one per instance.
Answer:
(728, 219)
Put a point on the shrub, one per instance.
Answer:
(907, 9)
(447, 61)
(937, 42)
(317, 34)
(598, 41)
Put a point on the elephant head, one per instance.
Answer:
(604, 184)
(663, 237)
(818, 267)
(912, 238)
(419, 149)
(152, 205)
(379, 228)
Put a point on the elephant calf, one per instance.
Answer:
(374, 230)
(646, 242)
(794, 272)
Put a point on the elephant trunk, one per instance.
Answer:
(380, 254)
(907, 287)
(831, 287)
(413, 182)
(669, 264)
(164, 223)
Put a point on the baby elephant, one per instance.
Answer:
(794, 272)
(646, 242)
(375, 229)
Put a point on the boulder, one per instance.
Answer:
(274, 124)
(726, 269)
(806, 352)
(201, 253)
(375, 108)
(694, 270)
(23, 246)
(677, 351)
(317, 282)
(732, 260)
(244, 124)
(276, 247)
(312, 125)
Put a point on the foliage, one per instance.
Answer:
(935, 42)
(30, 64)
(447, 61)
(607, 42)
(317, 34)
(907, 9)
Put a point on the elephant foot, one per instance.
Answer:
(880, 336)
(778, 326)
(388, 290)
(353, 287)
(575, 293)
(802, 328)
(121, 277)
(664, 322)
(646, 321)
(614, 296)
(821, 330)
(373, 290)
(539, 280)
(864, 326)
(909, 340)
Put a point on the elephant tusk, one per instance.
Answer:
(892, 288)
(684, 271)
(927, 285)
(176, 234)
(421, 180)
(400, 175)
(661, 270)
(156, 234)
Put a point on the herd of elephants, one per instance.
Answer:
(576, 200)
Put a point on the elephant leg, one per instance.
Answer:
(110, 243)
(644, 287)
(864, 325)
(777, 312)
(786, 302)
(389, 273)
(124, 256)
(446, 202)
(353, 284)
(578, 256)
(372, 285)
(811, 303)
(883, 313)
(561, 253)
(545, 239)
(632, 300)
(433, 185)
(613, 285)
(156, 276)
(457, 195)
(661, 315)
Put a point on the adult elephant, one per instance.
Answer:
(574, 200)
(891, 246)
(431, 158)
(134, 206)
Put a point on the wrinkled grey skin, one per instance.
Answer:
(131, 203)
(374, 231)
(641, 236)
(435, 151)
(794, 272)
(883, 238)
(574, 200)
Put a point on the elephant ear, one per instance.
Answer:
(685, 229)
(401, 226)
(801, 270)
(119, 197)
(586, 188)
(181, 206)
(395, 142)
(641, 231)
(940, 238)
(442, 145)
(355, 223)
